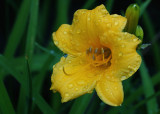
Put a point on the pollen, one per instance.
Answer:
(99, 56)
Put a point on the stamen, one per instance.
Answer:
(90, 50)
(95, 50)
(99, 56)
(102, 51)
(93, 57)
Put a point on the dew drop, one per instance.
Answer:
(69, 61)
(60, 68)
(135, 40)
(115, 88)
(81, 82)
(123, 77)
(65, 32)
(116, 23)
(76, 89)
(56, 42)
(119, 39)
(78, 31)
(66, 94)
(123, 46)
(129, 66)
(89, 19)
(120, 54)
(108, 25)
(70, 86)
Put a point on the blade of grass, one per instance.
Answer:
(62, 13)
(151, 33)
(18, 29)
(31, 35)
(148, 88)
(80, 104)
(144, 6)
(139, 91)
(144, 102)
(109, 5)
(29, 81)
(5, 103)
(88, 4)
(7, 65)
(43, 18)
(43, 106)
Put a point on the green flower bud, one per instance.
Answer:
(132, 15)
(139, 32)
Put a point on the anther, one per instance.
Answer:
(90, 50)
(102, 50)
(95, 50)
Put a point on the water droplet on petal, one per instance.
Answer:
(116, 23)
(115, 88)
(129, 66)
(120, 54)
(65, 32)
(119, 39)
(69, 61)
(123, 77)
(81, 82)
(78, 31)
(108, 25)
(89, 19)
(56, 42)
(66, 94)
(70, 86)
(135, 39)
(60, 68)
(76, 89)
(122, 45)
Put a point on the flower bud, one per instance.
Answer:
(132, 15)
(139, 32)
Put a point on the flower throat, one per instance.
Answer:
(99, 56)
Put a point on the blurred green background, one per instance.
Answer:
(27, 55)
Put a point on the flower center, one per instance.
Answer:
(99, 56)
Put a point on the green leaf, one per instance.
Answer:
(5, 102)
(31, 35)
(109, 5)
(42, 104)
(144, 6)
(148, 88)
(139, 91)
(9, 67)
(88, 4)
(146, 101)
(18, 29)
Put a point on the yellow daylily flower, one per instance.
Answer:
(100, 56)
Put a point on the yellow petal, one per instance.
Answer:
(125, 60)
(86, 28)
(110, 92)
(72, 78)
